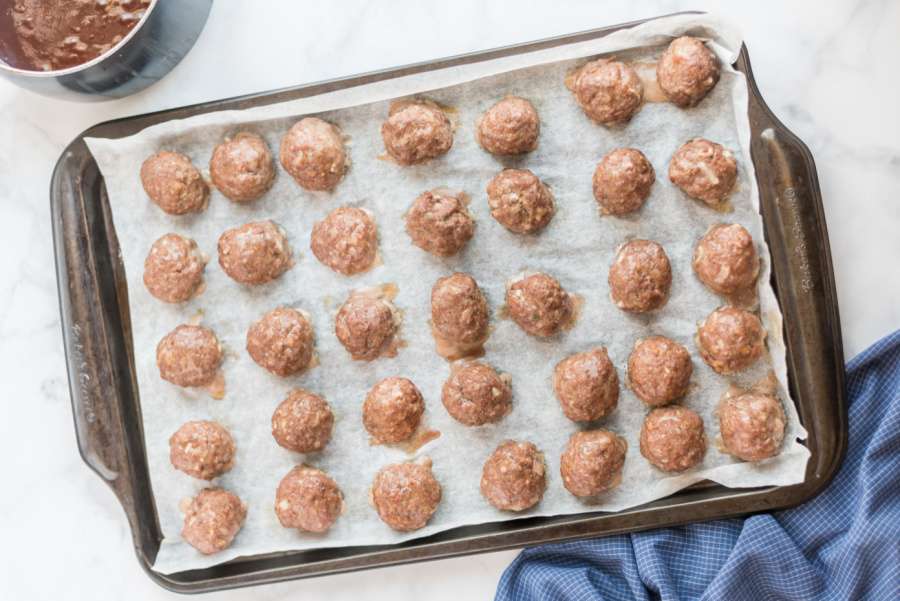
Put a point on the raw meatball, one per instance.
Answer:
(539, 305)
(367, 325)
(640, 276)
(346, 240)
(659, 370)
(189, 356)
(174, 184)
(725, 259)
(592, 462)
(731, 339)
(509, 127)
(308, 499)
(281, 341)
(440, 223)
(586, 385)
(302, 422)
(687, 71)
(608, 91)
(202, 449)
(242, 167)
(313, 152)
(173, 269)
(392, 410)
(254, 253)
(514, 476)
(416, 132)
(475, 394)
(704, 170)
(520, 201)
(212, 519)
(406, 495)
(459, 311)
(672, 438)
(752, 426)
(622, 181)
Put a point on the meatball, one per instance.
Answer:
(704, 170)
(514, 476)
(672, 438)
(189, 356)
(509, 127)
(367, 326)
(392, 410)
(519, 201)
(308, 499)
(539, 305)
(731, 339)
(202, 449)
(752, 426)
(622, 181)
(254, 253)
(174, 184)
(346, 240)
(586, 385)
(415, 132)
(212, 519)
(242, 167)
(687, 71)
(659, 370)
(302, 422)
(592, 462)
(406, 495)
(475, 394)
(281, 341)
(608, 91)
(725, 259)
(313, 152)
(440, 223)
(640, 277)
(173, 269)
(459, 311)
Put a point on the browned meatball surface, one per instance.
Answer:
(174, 184)
(752, 426)
(242, 167)
(725, 259)
(731, 339)
(704, 170)
(302, 422)
(346, 240)
(392, 410)
(254, 253)
(539, 305)
(592, 462)
(687, 71)
(406, 495)
(659, 370)
(415, 132)
(509, 127)
(586, 385)
(189, 356)
(475, 394)
(366, 326)
(519, 201)
(459, 311)
(672, 438)
(608, 91)
(202, 449)
(440, 223)
(281, 341)
(308, 499)
(640, 277)
(212, 519)
(313, 152)
(173, 269)
(622, 181)
(514, 477)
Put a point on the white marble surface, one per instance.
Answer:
(826, 69)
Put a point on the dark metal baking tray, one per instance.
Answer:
(97, 333)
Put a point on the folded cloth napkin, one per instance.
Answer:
(843, 544)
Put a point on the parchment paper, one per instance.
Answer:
(577, 248)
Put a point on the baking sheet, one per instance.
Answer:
(577, 248)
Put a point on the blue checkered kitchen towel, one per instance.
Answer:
(844, 544)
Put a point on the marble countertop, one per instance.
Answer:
(820, 67)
